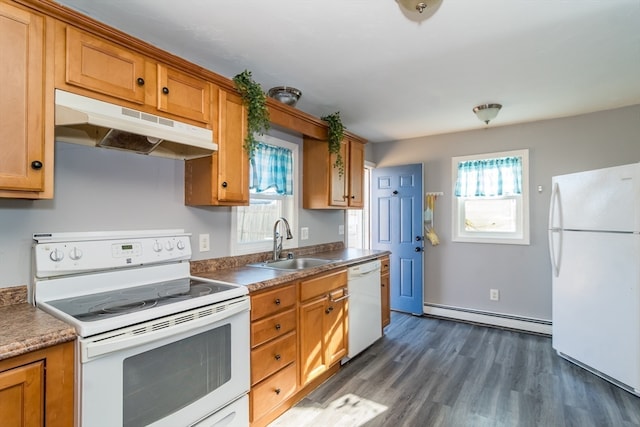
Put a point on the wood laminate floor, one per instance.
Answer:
(433, 372)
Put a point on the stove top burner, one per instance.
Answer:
(130, 300)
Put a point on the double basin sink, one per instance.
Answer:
(293, 264)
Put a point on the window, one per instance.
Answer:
(357, 220)
(491, 198)
(273, 194)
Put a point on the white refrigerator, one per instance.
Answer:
(594, 244)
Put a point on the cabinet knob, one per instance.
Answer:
(165, 90)
(278, 327)
(277, 301)
(224, 184)
(36, 164)
(277, 390)
(140, 81)
(329, 309)
(278, 357)
(418, 249)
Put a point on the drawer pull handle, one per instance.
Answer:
(278, 326)
(329, 310)
(277, 390)
(224, 184)
(277, 301)
(278, 357)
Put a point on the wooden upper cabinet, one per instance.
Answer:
(222, 178)
(324, 187)
(26, 119)
(104, 67)
(183, 95)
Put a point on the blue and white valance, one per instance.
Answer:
(489, 177)
(271, 170)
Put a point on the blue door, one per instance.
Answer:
(396, 213)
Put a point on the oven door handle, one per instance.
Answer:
(154, 330)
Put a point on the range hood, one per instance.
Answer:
(87, 121)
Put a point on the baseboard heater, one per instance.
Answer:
(500, 320)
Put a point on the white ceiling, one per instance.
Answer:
(392, 77)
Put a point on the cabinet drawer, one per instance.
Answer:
(267, 303)
(322, 285)
(272, 357)
(273, 391)
(272, 327)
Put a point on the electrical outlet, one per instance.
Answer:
(341, 229)
(204, 243)
(494, 294)
(304, 233)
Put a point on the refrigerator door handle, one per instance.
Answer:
(555, 203)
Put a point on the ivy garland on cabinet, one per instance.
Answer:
(254, 98)
(335, 134)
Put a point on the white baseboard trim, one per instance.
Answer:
(537, 326)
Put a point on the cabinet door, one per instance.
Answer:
(356, 174)
(335, 326)
(183, 95)
(338, 186)
(313, 360)
(22, 102)
(22, 396)
(385, 297)
(233, 162)
(104, 67)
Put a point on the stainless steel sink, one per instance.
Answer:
(293, 264)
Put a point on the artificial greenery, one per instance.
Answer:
(335, 135)
(254, 98)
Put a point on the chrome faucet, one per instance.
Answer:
(277, 238)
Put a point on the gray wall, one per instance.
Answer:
(98, 189)
(461, 274)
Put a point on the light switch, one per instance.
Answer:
(304, 233)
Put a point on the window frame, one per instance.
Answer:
(290, 211)
(522, 234)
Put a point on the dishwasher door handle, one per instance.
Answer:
(343, 297)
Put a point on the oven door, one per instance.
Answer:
(172, 371)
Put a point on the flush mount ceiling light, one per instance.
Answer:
(285, 94)
(419, 6)
(487, 112)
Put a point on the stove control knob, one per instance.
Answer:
(180, 245)
(157, 246)
(169, 245)
(56, 255)
(75, 254)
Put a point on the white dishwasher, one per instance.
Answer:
(365, 317)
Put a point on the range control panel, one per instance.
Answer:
(70, 253)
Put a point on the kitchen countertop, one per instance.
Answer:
(257, 278)
(26, 328)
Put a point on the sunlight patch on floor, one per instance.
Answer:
(346, 411)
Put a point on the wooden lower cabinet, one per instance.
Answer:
(385, 291)
(322, 324)
(274, 352)
(37, 388)
(298, 338)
